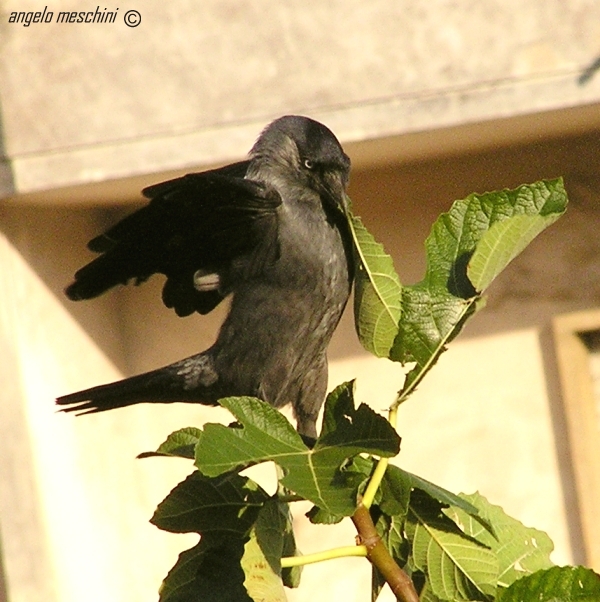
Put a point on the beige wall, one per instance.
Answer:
(192, 85)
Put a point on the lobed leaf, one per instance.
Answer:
(427, 595)
(557, 584)
(181, 443)
(457, 567)
(353, 474)
(200, 504)
(467, 248)
(208, 572)
(377, 292)
(407, 480)
(271, 538)
(263, 434)
(534, 208)
(520, 550)
(262, 582)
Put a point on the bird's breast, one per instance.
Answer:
(281, 321)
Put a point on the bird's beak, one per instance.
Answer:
(335, 190)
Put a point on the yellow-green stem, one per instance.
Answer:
(321, 556)
(374, 483)
(377, 476)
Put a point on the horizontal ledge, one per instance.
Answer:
(402, 129)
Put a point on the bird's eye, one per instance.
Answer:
(309, 164)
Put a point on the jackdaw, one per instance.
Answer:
(272, 233)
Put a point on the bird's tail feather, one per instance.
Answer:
(158, 386)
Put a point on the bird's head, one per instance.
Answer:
(305, 153)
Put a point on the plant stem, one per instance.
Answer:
(326, 555)
(381, 467)
(374, 482)
(372, 547)
(399, 582)
(393, 417)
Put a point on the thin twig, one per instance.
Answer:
(326, 555)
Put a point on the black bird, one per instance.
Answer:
(271, 231)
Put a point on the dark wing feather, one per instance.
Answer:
(213, 222)
(235, 170)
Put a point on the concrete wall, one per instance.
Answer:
(194, 82)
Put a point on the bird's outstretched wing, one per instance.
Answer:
(203, 231)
